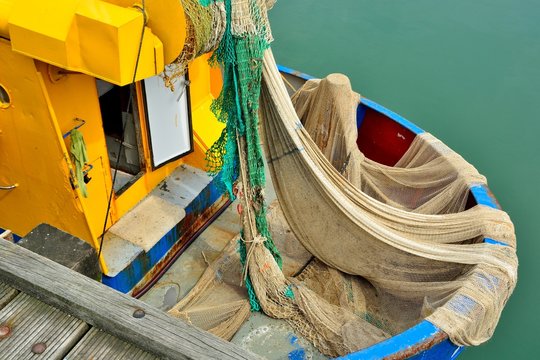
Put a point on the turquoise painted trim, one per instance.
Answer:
(290, 71)
(126, 280)
(392, 115)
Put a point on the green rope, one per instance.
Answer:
(206, 2)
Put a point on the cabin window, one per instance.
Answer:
(5, 100)
(122, 133)
(168, 118)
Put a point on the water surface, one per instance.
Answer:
(467, 71)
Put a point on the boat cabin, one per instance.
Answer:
(144, 187)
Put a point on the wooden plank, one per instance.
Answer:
(98, 345)
(31, 322)
(7, 293)
(109, 310)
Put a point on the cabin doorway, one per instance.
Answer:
(121, 125)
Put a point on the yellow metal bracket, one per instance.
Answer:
(94, 37)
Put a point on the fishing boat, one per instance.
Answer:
(101, 138)
(384, 136)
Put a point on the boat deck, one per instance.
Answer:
(49, 310)
(260, 334)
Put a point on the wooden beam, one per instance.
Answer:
(109, 310)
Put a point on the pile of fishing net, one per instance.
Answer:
(391, 245)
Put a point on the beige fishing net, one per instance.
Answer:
(431, 183)
(205, 25)
(434, 259)
(218, 303)
(391, 245)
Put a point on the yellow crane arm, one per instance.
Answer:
(96, 37)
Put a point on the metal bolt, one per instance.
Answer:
(139, 313)
(4, 331)
(39, 348)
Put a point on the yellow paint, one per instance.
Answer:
(205, 86)
(89, 36)
(205, 128)
(5, 11)
(167, 20)
(97, 39)
(216, 81)
(75, 96)
(32, 156)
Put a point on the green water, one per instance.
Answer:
(467, 71)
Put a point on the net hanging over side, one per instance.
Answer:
(431, 258)
(429, 178)
(357, 217)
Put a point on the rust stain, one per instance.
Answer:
(190, 228)
(417, 348)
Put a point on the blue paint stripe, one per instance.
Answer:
(494, 242)
(360, 115)
(444, 350)
(483, 196)
(126, 280)
(290, 71)
(392, 115)
(401, 342)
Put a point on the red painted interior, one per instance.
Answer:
(382, 139)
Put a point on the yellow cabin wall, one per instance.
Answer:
(32, 155)
(206, 84)
(75, 96)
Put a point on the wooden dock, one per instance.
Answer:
(48, 311)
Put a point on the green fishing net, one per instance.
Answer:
(240, 57)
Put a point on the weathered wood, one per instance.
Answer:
(6, 294)
(98, 345)
(6, 234)
(32, 322)
(109, 310)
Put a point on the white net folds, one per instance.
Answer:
(435, 259)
